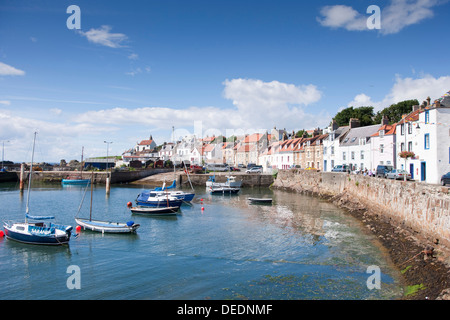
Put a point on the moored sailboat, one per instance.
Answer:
(37, 232)
(105, 226)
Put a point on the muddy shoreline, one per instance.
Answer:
(423, 265)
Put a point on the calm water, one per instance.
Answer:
(298, 248)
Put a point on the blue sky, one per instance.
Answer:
(137, 68)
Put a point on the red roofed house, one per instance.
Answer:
(251, 146)
(145, 145)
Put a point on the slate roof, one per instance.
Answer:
(353, 136)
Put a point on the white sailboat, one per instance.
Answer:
(37, 232)
(105, 226)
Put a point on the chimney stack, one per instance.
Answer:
(334, 125)
(384, 121)
(354, 123)
(429, 101)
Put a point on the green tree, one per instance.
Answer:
(395, 111)
(364, 114)
(300, 133)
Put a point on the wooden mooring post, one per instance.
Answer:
(108, 183)
(22, 176)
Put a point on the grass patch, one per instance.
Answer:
(406, 269)
(411, 290)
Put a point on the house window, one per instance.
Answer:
(381, 148)
(402, 129)
(344, 156)
(324, 150)
(332, 163)
(410, 146)
(427, 141)
(381, 133)
(362, 154)
(427, 116)
(353, 155)
(332, 150)
(409, 128)
(402, 147)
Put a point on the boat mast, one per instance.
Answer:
(92, 187)
(81, 171)
(29, 178)
(173, 157)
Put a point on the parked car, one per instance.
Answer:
(397, 174)
(382, 170)
(341, 168)
(254, 169)
(445, 179)
(234, 169)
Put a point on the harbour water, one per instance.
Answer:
(299, 247)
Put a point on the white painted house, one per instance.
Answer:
(355, 148)
(428, 137)
(383, 146)
(331, 153)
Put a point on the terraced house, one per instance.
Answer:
(425, 133)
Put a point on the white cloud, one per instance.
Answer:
(407, 89)
(136, 71)
(271, 103)
(363, 100)
(7, 70)
(394, 17)
(341, 16)
(5, 102)
(104, 37)
(56, 111)
(57, 140)
(258, 105)
(133, 56)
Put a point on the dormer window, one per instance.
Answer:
(381, 133)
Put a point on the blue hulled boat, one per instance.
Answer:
(151, 199)
(37, 232)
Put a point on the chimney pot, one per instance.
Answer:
(354, 123)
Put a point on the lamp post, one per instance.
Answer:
(107, 153)
(3, 152)
(107, 176)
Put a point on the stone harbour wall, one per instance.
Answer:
(422, 208)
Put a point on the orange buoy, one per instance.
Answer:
(129, 204)
(78, 228)
(203, 208)
(2, 234)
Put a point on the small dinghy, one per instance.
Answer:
(260, 200)
(104, 226)
(107, 226)
(154, 211)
